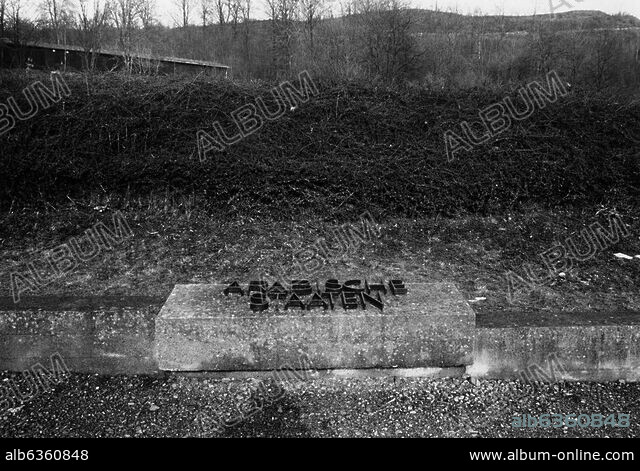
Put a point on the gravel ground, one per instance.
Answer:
(179, 406)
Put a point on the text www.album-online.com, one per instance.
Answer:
(573, 455)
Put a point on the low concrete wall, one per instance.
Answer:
(116, 335)
(89, 336)
(594, 353)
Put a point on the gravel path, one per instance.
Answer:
(179, 406)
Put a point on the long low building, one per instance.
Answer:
(65, 57)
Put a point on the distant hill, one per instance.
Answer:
(429, 21)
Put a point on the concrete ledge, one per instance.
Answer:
(561, 353)
(117, 340)
(454, 372)
(78, 303)
(200, 329)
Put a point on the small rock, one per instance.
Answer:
(473, 380)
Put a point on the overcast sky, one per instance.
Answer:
(528, 7)
(509, 7)
(166, 9)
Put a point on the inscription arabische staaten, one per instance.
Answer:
(307, 295)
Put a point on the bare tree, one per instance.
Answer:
(245, 10)
(604, 61)
(311, 12)
(235, 14)
(127, 15)
(389, 49)
(148, 13)
(15, 7)
(205, 12)
(245, 14)
(282, 14)
(92, 19)
(58, 15)
(546, 49)
(223, 11)
(18, 26)
(576, 51)
(184, 10)
(3, 12)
